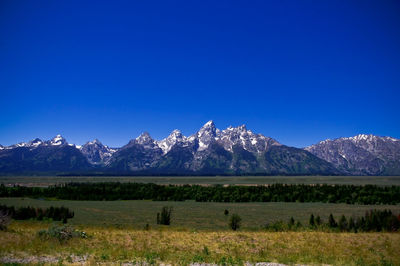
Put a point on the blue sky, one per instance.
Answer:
(298, 71)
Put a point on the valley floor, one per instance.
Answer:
(43, 181)
(21, 243)
(195, 215)
(199, 230)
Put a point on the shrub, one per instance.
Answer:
(278, 226)
(291, 222)
(298, 224)
(26, 213)
(61, 232)
(147, 227)
(234, 222)
(5, 219)
(165, 216)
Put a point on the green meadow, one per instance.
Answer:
(194, 215)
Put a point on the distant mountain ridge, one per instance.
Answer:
(210, 151)
(361, 154)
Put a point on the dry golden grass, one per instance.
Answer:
(223, 247)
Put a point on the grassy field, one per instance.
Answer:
(112, 245)
(241, 180)
(199, 230)
(194, 215)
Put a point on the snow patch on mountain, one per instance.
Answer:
(58, 140)
(96, 152)
(361, 154)
(206, 135)
(174, 138)
(246, 139)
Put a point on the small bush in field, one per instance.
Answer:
(61, 232)
(5, 219)
(234, 222)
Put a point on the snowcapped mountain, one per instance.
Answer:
(96, 152)
(175, 138)
(246, 139)
(43, 157)
(138, 155)
(209, 151)
(234, 150)
(361, 154)
(57, 140)
(146, 141)
(228, 138)
(205, 136)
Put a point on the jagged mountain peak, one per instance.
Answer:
(35, 142)
(241, 128)
(208, 127)
(58, 140)
(175, 137)
(206, 135)
(96, 152)
(95, 141)
(176, 133)
(370, 137)
(209, 124)
(256, 143)
(144, 138)
(362, 137)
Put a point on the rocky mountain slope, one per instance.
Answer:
(210, 151)
(96, 152)
(361, 154)
(37, 156)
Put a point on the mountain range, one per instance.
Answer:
(210, 151)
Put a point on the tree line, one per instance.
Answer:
(372, 221)
(26, 213)
(350, 194)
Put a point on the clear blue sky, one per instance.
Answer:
(298, 71)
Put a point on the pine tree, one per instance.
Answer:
(312, 222)
(332, 223)
(165, 216)
(318, 220)
(352, 225)
(343, 223)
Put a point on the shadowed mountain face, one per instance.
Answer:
(54, 156)
(96, 152)
(210, 151)
(361, 154)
